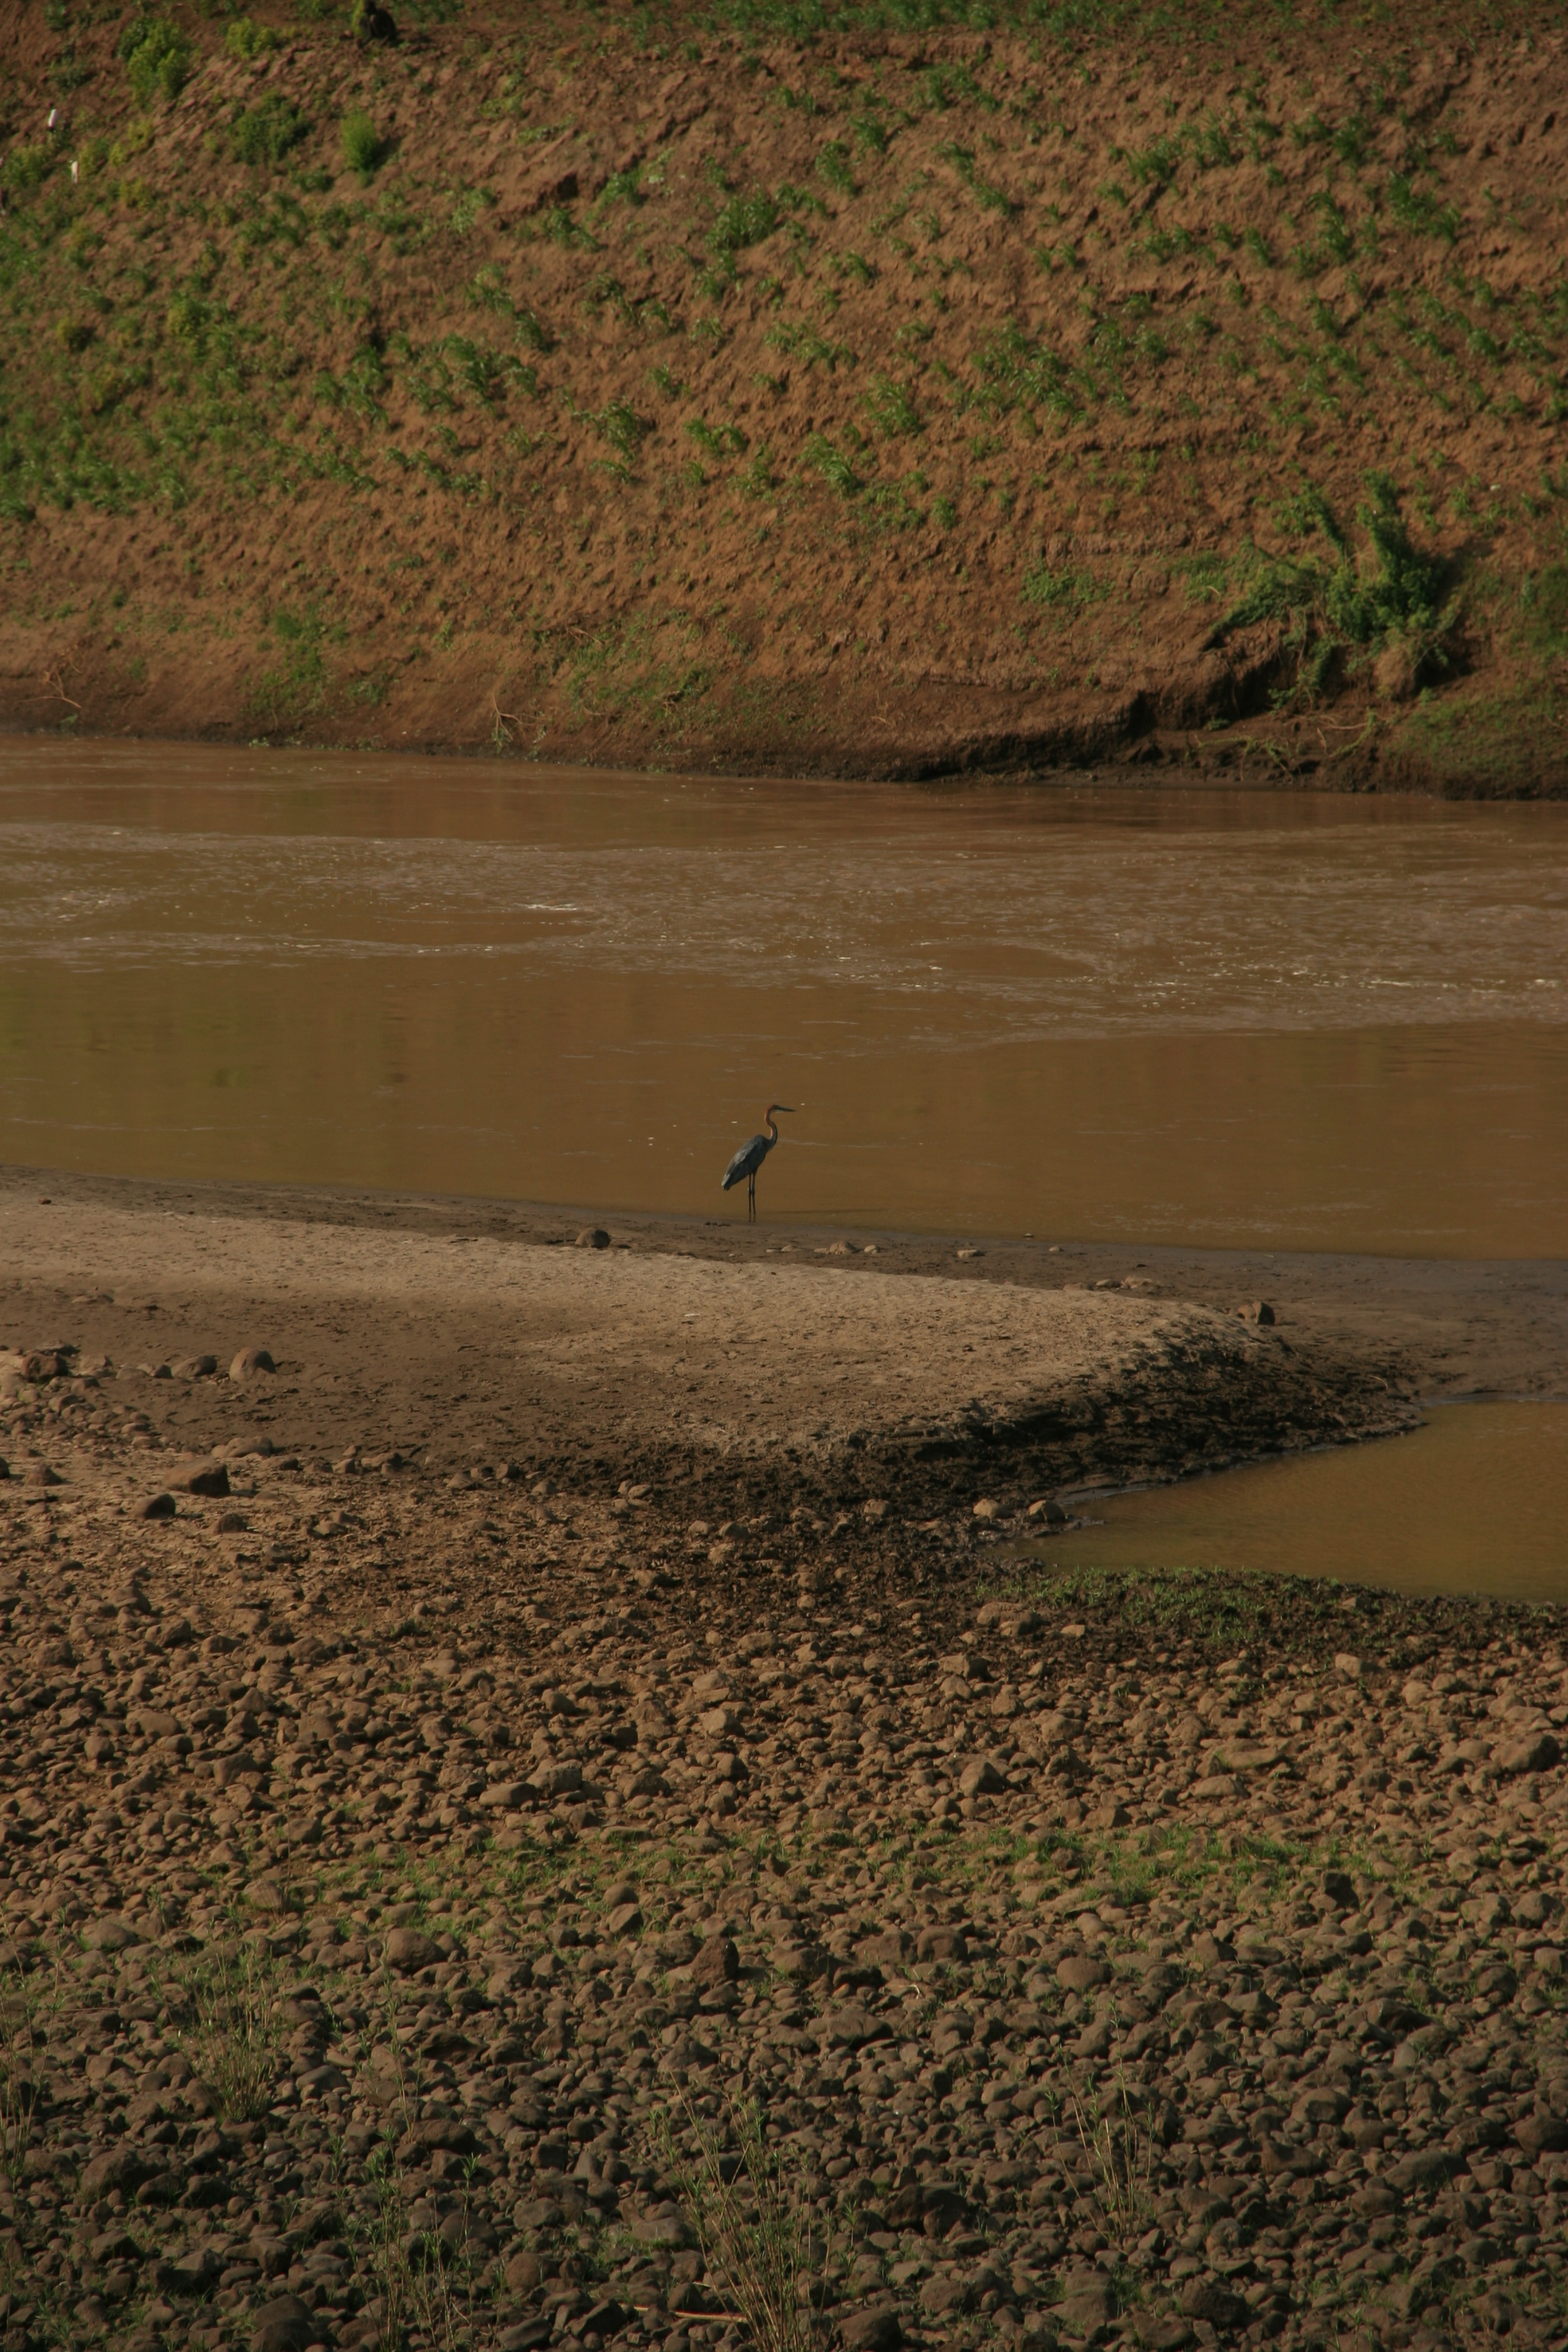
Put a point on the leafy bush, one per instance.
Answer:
(1394, 603)
(246, 39)
(365, 149)
(264, 134)
(157, 58)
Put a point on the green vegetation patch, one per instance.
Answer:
(266, 132)
(157, 58)
(365, 149)
(1393, 600)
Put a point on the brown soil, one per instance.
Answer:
(875, 403)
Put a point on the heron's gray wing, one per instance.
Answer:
(747, 1160)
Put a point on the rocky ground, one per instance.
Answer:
(410, 1882)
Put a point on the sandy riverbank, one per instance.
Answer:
(903, 1368)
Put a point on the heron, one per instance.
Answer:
(751, 1156)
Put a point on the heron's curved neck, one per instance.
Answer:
(771, 1123)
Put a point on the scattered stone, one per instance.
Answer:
(593, 1237)
(212, 1480)
(159, 1506)
(248, 1362)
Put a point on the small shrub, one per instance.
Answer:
(369, 21)
(246, 39)
(19, 2071)
(891, 408)
(157, 58)
(1043, 586)
(235, 2031)
(721, 441)
(264, 134)
(557, 224)
(744, 220)
(752, 2224)
(364, 149)
(1546, 604)
(26, 167)
(832, 465)
(619, 425)
(73, 334)
(1392, 604)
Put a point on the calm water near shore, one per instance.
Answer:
(1474, 1500)
(1276, 1020)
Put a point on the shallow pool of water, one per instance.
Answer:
(1279, 1019)
(1474, 1501)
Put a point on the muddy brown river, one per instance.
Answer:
(1261, 1021)
(1288, 1020)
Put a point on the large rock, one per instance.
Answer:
(718, 1962)
(1542, 2134)
(409, 1949)
(876, 2329)
(1210, 2299)
(120, 2168)
(248, 1362)
(108, 1933)
(284, 2325)
(1089, 2301)
(1423, 2167)
(1536, 1753)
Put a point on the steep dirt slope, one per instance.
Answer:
(673, 389)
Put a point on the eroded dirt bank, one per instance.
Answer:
(679, 390)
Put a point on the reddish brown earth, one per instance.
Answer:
(875, 402)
